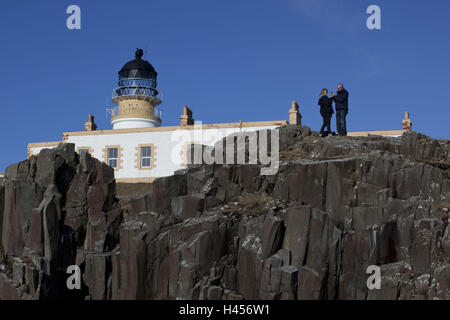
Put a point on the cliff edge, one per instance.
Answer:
(336, 206)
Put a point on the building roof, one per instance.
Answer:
(138, 68)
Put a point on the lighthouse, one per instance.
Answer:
(139, 149)
(136, 96)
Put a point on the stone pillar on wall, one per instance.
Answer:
(294, 115)
(90, 125)
(186, 118)
(407, 123)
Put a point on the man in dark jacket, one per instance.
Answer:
(341, 104)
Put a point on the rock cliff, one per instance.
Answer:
(336, 206)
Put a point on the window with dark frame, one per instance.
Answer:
(83, 151)
(146, 156)
(113, 157)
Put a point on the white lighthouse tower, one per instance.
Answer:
(136, 96)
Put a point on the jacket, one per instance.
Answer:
(341, 100)
(326, 106)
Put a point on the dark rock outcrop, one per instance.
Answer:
(2, 208)
(58, 208)
(336, 206)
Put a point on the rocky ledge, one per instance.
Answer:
(336, 206)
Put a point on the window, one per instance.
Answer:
(113, 154)
(146, 156)
(83, 151)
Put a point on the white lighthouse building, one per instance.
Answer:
(138, 147)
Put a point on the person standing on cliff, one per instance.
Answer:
(341, 105)
(326, 111)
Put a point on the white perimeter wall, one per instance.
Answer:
(169, 147)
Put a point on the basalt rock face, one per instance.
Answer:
(2, 206)
(59, 210)
(336, 206)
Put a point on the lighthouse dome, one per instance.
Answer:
(138, 68)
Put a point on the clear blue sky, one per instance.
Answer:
(227, 60)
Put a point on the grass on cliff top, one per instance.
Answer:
(297, 151)
(249, 204)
